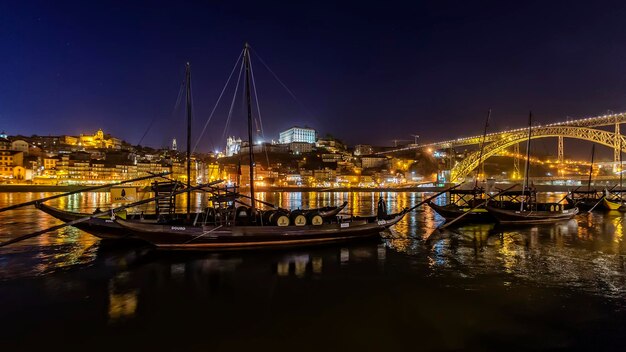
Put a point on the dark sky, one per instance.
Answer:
(367, 72)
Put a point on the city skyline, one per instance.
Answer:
(77, 67)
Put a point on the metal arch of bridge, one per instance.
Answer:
(596, 121)
(468, 164)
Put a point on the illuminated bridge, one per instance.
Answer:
(496, 142)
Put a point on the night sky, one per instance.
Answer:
(366, 72)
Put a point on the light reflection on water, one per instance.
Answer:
(585, 253)
(453, 288)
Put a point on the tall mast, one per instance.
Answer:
(620, 171)
(527, 165)
(246, 59)
(188, 82)
(593, 152)
(482, 147)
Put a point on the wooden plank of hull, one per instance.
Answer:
(531, 217)
(449, 213)
(232, 246)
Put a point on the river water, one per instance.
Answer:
(477, 287)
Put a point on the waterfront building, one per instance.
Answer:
(298, 134)
(50, 163)
(326, 175)
(9, 159)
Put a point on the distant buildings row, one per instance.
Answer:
(301, 159)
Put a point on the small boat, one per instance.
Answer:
(614, 200)
(612, 203)
(521, 207)
(461, 201)
(589, 199)
(585, 200)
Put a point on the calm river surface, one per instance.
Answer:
(477, 287)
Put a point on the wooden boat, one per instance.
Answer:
(590, 199)
(585, 200)
(517, 207)
(612, 204)
(233, 237)
(461, 201)
(106, 228)
(521, 207)
(239, 226)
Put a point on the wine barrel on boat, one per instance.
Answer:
(314, 218)
(242, 214)
(297, 218)
(278, 218)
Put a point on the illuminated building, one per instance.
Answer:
(298, 134)
(9, 160)
(233, 146)
(97, 140)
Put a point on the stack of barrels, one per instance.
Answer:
(296, 218)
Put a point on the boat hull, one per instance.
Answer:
(610, 204)
(479, 215)
(509, 217)
(223, 238)
(105, 229)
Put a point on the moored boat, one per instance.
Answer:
(237, 225)
(521, 207)
(106, 228)
(233, 237)
(585, 200)
(462, 201)
(531, 217)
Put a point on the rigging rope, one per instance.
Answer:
(180, 94)
(232, 103)
(258, 108)
(217, 103)
(283, 84)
